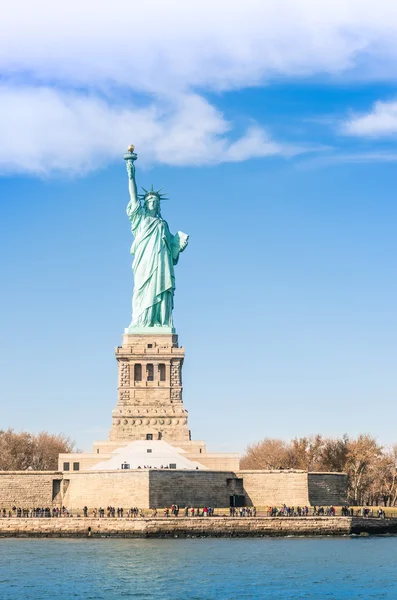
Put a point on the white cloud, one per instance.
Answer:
(156, 45)
(350, 158)
(380, 122)
(43, 129)
(69, 71)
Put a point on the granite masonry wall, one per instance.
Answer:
(197, 488)
(327, 488)
(274, 488)
(108, 488)
(199, 526)
(30, 488)
(159, 488)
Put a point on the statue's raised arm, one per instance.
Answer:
(130, 157)
(156, 251)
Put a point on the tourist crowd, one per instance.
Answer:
(305, 511)
(38, 512)
(112, 512)
(190, 511)
(243, 511)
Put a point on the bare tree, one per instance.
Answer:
(270, 453)
(334, 454)
(20, 451)
(361, 458)
(46, 448)
(306, 452)
(392, 475)
(15, 450)
(371, 470)
(384, 478)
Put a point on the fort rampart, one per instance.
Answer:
(158, 488)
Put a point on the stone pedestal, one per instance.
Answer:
(149, 402)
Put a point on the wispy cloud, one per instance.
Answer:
(83, 79)
(381, 121)
(348, 158)
(164, 46)
(45, 130)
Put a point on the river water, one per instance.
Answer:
(199, 569)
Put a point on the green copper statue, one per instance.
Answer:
(155, 251)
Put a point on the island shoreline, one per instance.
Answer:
(182, 527)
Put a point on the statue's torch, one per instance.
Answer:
(130, 154)
(129, 158)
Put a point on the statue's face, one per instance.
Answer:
(152, 203)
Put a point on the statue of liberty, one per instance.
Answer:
(156, 252)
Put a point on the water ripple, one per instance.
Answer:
(199, 569)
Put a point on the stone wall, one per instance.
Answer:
(28, 489)
(158, 488)
(275, 488)
(192, 488)
(107, 488)
(327, 488)
(217, 461)
(85, 460)
(199, 526)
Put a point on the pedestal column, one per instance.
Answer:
(150, 408)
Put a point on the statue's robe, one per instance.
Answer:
(155, 251)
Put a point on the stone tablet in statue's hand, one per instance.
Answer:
(184, 241)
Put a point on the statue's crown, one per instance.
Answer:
(153, 192)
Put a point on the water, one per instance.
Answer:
(199, 569)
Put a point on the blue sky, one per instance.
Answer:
(274, 133)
